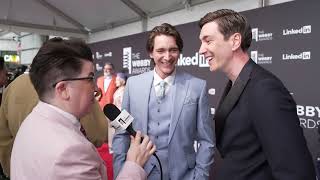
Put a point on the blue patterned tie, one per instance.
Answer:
(162, 89)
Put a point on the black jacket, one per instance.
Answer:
(258, 131)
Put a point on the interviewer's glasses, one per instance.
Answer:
(89, 78)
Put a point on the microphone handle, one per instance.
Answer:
(132, 132)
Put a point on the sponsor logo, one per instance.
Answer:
(99, 56)
(196, 60)
(260, 35)
(302, 30)
(260, 58)
(98, 67)
(11, 58)
(309, 116)
(213, 111)
(212, 91)
(300, 56)
(134, 63)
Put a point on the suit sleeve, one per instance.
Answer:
(205, 137)
(277, 126)
(78, 162)
(131, 171)
(121, 139)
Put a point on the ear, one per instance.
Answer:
(151, 55)
(62, 91)
(236, 41)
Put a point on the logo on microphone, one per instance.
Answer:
(122, 121)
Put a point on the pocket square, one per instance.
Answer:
(190, 100)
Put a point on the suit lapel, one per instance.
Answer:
(230, 97)
(179, 95)
(145, 89)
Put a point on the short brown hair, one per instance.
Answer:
(164, 29)
(57, 59)
(230, 22)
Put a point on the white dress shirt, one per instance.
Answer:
(106, 83)
(157, 79)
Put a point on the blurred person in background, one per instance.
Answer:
(3, 76)
(107, 84)
(3, 81)
(117, 101)
(121, 84)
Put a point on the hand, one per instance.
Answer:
(140, 152)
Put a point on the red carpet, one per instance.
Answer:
(107, 157)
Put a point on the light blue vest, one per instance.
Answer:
(158, 129)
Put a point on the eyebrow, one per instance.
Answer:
(203, 37)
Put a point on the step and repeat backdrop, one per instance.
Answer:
(285, 41)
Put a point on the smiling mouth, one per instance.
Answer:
(166, 63)
(209, 59)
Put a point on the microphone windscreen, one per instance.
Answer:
(111, 111)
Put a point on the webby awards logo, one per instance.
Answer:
(309, 116)
(133, 62)
(260, 35)
(260, 58)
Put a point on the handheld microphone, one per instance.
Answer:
(120, 120)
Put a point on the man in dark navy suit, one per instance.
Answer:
(258, 132)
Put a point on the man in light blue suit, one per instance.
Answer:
(172, 108)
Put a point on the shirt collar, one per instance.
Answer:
(108, 77)
(157, 79)
(67, 115)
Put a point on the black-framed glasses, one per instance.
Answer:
(91, 78)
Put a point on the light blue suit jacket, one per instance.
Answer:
(190, 122)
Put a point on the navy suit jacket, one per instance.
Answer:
(258, 131)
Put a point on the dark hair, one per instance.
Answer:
(1, 63)
(230, 22)
(164, 29)
(57, 59)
